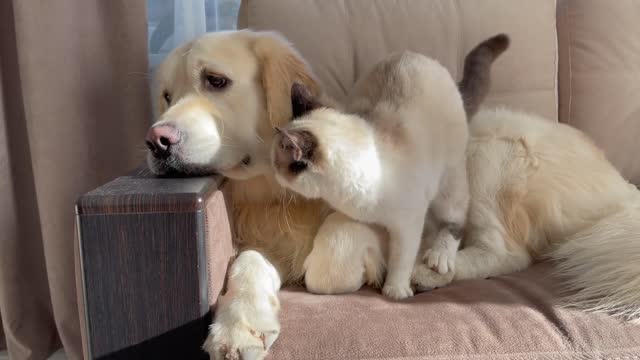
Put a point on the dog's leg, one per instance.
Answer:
(246, 319)
(447, 216)
(346, 254)
(479, 263)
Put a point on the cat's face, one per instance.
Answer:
(322, 152)
(299, 157)
(300, 153)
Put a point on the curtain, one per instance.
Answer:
(173, 22)
(74, 106)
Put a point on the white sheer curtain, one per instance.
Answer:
(172, 22)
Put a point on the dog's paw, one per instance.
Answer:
(440, 259)
(242, 332)
(426, 279)
(397, 292)
(235, 341)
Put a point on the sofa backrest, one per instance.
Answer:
(573, 60)
(599, 79)
(342, 39)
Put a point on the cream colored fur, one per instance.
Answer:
(304, 239)
(389, 158)
(542, 189)
(273, 228)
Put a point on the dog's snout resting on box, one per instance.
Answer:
(162, 140)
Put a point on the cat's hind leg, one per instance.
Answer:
(447, 218)
(479, 260)
(486, 251)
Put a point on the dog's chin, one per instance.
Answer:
(247, 169)
(174, 168)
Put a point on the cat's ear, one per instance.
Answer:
(302, 101)
(290, 142)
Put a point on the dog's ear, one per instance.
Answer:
(281, 67)
(301, 100)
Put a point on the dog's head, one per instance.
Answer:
(218, 98)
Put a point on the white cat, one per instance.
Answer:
(395, 157)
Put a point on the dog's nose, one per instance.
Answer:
(160, 139)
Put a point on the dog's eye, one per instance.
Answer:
(216, 82)
(297, 167)
(167, 97)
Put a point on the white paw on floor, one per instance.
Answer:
(397, 292)
(245, 327)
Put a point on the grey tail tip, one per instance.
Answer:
(498, 43)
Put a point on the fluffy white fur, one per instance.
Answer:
(303, 239)
(247, 312)
(219, 129)
(387, 159)
(601, 265)
(543, 190)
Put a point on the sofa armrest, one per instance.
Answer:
(153, 254)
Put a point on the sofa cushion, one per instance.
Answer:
(344, 39)
(506, 317)
(599, 81)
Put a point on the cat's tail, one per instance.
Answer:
(601, 266)
(476, 76)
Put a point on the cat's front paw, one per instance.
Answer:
(397, 292)
(440, 259)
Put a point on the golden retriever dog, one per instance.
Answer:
(538, 189)
(218, 99)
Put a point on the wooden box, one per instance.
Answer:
(153, 254)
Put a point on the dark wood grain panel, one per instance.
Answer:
(143, 255)
(143, 275)
(140, 191)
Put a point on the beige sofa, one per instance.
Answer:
(576, 62)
